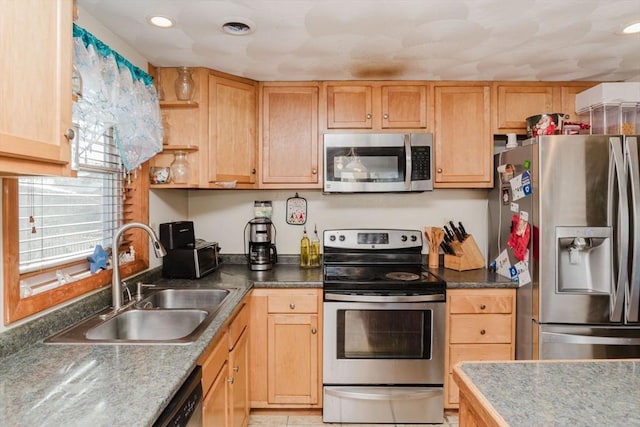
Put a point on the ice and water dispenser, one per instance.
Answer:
(583, 260)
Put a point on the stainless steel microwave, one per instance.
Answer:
(378, 162)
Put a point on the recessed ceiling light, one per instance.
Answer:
(160, 21)
(632, 29)
(237, 27)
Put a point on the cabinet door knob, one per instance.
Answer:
(386, 116)
(236, 368)
(439, 170)
(482, 306)
(482, 332)
(314, 171)
(253, 171)
(314, 331)
(292, 306)
(230, 380)
(368, 115)
(70, 134)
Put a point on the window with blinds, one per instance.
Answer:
(61, 220)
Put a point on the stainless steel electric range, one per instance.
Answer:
(384, 325)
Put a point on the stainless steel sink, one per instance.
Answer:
(149, 325)
(184, 298)
(166, 316)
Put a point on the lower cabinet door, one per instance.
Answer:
(239, 382)
(214, 405)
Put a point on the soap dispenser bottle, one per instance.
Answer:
(305, 250)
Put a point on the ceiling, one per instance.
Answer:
(542, 40)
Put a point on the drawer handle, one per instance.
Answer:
(482, 306)
(292, 306)
(314, 331)
(482, 332)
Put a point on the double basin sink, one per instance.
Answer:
(165, 316)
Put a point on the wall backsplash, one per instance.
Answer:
(221, 216)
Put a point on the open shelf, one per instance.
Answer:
(178, 104)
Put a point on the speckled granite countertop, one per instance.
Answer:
(129, 385)
(558, 393)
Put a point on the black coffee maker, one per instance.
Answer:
(260, 240)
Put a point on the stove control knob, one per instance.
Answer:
(332, 238)
(403, 238)
(342, 238)
(414, 238)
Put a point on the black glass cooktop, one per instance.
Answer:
(388, 278)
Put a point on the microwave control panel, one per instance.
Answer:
(420, 163)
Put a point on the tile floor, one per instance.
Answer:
(283, 420)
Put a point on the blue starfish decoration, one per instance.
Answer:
(98, 260)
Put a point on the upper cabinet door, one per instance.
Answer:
(289, 149)
(515, 103)
(349, 107)
(35, 87)
(463, 141)
(376, 105)
(232, 131)
(404, 107)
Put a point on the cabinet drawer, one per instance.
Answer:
(490, 303)
(293, 303)
(239, 323)
(468, 352)
(473, 328)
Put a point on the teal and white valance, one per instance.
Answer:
(116, 94)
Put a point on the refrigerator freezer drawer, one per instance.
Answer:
(372, 404)
(588, 342)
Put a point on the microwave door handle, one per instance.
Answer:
(617, 213)
(633, 175)
(407, 153)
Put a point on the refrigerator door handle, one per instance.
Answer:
(618, 219)
(555, 337)
(633, 175)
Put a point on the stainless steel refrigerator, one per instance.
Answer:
(564, 222)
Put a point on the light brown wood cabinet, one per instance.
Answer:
(376, 105)
(35, 112)
(515, 101)
(217, 128)
(225, 375)
(232, 148)
(286, 348)
(289, 150)
(480, 326)
(463, 142)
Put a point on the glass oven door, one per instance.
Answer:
(383, 343)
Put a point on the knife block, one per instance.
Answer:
(467, 257)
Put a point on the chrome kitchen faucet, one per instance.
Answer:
(116, 284)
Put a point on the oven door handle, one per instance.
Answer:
(361, 395)
(383, 298)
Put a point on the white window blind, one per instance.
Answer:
(61, 220)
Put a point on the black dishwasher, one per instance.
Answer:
(185, 409)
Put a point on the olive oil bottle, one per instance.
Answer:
(305, 250)
(314, 256)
